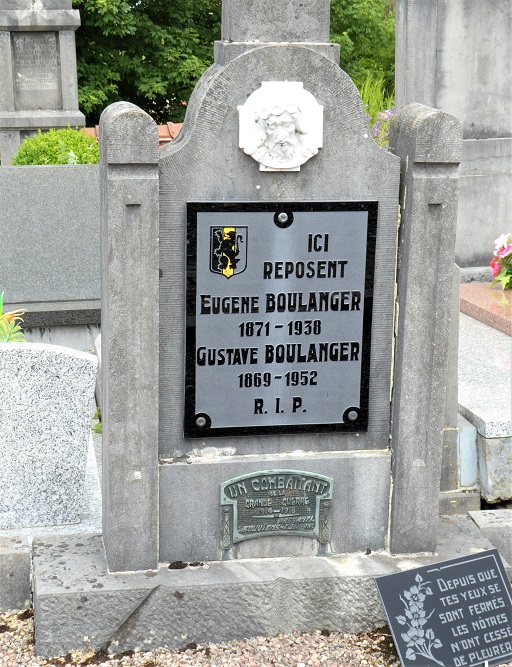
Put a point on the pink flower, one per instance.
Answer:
(502, 242)
(504, 252)
(495, 266)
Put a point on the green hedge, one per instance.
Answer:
(64, 146)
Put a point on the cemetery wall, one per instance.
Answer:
(49, 228)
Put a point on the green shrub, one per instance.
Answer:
(64, 146)
(379, 107)
(375, 96)
(365, 31)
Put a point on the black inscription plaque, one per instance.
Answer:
(275, 502)
(457, 613)
(279, 307)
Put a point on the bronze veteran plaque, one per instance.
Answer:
(275, 502)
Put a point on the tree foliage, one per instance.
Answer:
(151, 52)
(365, 31)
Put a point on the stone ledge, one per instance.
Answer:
(475, 274)
(27, 120)
(46, 19)
(490, 305)
(225, 52)
(484, 400)
(79, 605)
(58, 313)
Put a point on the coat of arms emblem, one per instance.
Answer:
(228, 250)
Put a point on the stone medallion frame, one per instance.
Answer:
(281, 125)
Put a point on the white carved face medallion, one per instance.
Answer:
(281, 126)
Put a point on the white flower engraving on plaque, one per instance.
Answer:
(281, 125)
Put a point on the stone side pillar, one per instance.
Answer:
(129, 346)
(428, 143)
(450, 460)
(38, 82)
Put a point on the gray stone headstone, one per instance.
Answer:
(286, 21)
(46, 403)
(206, 165)
(161, 488)
(50, 232)
(38, 80)
(247, 26)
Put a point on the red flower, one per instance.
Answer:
(495, 266)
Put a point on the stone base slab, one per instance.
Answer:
(495, 463)
(458, 502)
(15, 593)
(79, 605)
(496, 525)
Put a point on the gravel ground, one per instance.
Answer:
(323, 649)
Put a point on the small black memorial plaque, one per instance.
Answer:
(275, 502)
(279, 308)
(457, 613)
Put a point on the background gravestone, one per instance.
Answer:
(455, 55)
(46, 403)
(38, 84)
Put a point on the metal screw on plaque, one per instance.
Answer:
(352, 415)
(283, 219)
(200, 421)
